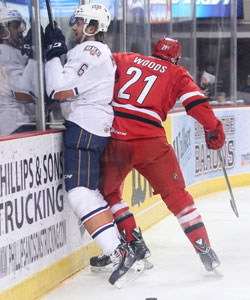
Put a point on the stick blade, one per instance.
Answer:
(234, 208)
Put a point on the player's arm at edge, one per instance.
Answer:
(54, 79)
(214, 134)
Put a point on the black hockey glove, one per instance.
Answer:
(54, 42)
(28, 47)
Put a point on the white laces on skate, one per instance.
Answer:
(116, 258)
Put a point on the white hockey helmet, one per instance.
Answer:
(9, 15)
(94, 11)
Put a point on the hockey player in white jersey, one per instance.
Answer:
(84, 85)
(17, 84)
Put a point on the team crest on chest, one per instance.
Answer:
(92, 50)
(107, 129)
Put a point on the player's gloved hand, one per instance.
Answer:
(215, 140)
(54, 42)
(28, 47)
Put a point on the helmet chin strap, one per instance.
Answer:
(10, 40)
(87, 34)
(8, 32)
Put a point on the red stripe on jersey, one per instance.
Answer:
(135, 130)
(138, 114)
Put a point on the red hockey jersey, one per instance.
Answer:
(146, 89)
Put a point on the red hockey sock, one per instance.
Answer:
(194, 234)
(192, 224)
(129, 225)
(125, 220)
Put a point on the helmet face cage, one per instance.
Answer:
(168, 49)
(97, 12)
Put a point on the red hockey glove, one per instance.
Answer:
(215, 140)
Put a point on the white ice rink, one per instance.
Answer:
(178, 273)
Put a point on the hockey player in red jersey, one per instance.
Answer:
(146, 89)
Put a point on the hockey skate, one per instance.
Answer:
(140, 248)
(125, 266)
(102, 263)
(207, 256)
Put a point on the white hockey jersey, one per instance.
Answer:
(89, 73)
(16, 77)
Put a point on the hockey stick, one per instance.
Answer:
(50, 15)
(232, 201)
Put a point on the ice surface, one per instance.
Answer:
(178, 273)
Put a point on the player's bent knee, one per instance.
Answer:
(119, 208)
(121, 212)
(112, 198)
(176, 202)
(84, 201)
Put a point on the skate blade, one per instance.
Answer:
(109, 268)
(218, 273)
(148, 264)
(137, 268)
(105, 269)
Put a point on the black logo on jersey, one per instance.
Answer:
(92, 50)
(175, 176)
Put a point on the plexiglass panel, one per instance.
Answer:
(214, 55)
(18, 81)
(183, 29)
(214, 38)
(137, 26)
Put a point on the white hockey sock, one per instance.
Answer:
(106, 238)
